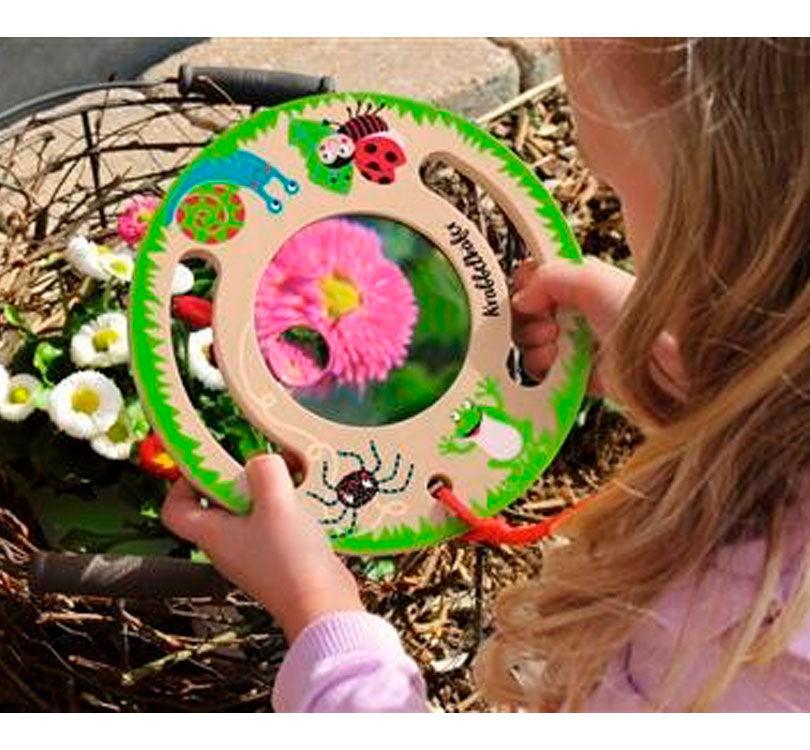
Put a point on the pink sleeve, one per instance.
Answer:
(349, 662)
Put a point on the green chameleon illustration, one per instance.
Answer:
(489, 427)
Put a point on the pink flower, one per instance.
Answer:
(333, 278)
(133, 221)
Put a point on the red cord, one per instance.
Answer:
(496, 530)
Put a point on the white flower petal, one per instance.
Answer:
(84, 256)
(103, 342)
(4, 377)
(183, 279)
(113, 450)
(199, 363)
(116, 443)
(20, 398)
(85, 404)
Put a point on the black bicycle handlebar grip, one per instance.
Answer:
(124, 576)
(253, 86)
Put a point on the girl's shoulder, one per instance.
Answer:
(694, 621)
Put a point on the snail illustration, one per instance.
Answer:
(206, 202)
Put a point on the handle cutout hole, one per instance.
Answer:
(196, 360)
(438, 482)
(470, 198)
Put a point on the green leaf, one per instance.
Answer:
(100, 298)
(137, 419)
(61, 515)
(444, 314)
(242, 440)
(198, 556)
(380, 569)
(205, 277)
(15, 319)
(305, 135)
(46, 355)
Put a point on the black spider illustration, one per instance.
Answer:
(358, 488)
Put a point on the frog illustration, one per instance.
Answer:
(489, 427)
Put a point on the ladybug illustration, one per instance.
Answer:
(366, 140)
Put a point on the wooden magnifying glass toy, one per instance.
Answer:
(360, 321)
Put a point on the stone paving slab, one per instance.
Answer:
(468, 75)
(536, 57)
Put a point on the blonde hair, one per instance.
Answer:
(729, 275)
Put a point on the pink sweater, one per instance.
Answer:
(354, 662)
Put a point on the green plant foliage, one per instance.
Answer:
(15, 319)
(47, 358)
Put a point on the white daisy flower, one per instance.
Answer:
(20, 399)
(201, 359)
(118, 265)
(116, 443)
(183, 279)
(85, 404)
(99, 262)
(102, 342)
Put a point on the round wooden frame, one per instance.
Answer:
(283, 188)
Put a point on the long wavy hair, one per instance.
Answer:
(728, 273)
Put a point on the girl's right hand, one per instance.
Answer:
(278, 553)
(594, 289)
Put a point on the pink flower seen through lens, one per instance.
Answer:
(333, 278)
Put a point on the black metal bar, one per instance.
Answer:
(124, 576)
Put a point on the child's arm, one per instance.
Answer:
(341, 658)
(349, 662)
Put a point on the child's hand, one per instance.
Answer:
(278, 553)
(595, 290)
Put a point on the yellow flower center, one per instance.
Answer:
(145, 216)
(118, 433)
(164, 460)
(103, 340)
(85, 400)
(19, 395)
(119, 267)
(340, 296)
(103, 250)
